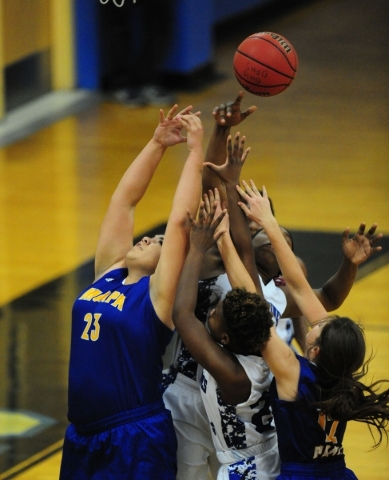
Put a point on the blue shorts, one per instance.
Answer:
(136, 445)
(325, 471)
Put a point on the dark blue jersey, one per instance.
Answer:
(304, 434)
(117, 346)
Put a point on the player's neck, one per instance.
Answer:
(134, 275)
(266, 277)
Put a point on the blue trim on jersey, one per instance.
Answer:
(134, 415)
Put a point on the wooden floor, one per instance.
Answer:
(321, 148)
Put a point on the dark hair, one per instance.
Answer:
(248, 320)
(341, 364)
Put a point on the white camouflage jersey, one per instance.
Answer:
(183, 362)
(272, 294)
(241, 431)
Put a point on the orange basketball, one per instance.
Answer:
(265, 64)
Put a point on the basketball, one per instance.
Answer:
(265, 64)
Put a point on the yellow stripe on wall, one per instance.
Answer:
(58, 37)
(62, 45)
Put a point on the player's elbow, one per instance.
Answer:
(330, 300)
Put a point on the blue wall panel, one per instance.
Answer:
(192, 45)
(87, 44)
(227, 9)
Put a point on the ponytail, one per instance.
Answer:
(341, 365)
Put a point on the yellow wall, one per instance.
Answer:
(32, 26)
(63, 68)
(26, 28)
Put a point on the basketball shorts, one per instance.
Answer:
(136, 445)
(195, 453)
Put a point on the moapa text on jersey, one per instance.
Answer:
(115, 299)
(329, 450)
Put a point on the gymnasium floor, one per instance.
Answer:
(321, 148)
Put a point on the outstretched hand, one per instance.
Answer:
(203, 231)
(194, 128)
(229, 114)
(256, 206)
(209, 199)
(359, 248)
(229, 172)
(168, 132)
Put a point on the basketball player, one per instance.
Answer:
(196, 453)
(235, 381)
(313, 398)
(122, 324)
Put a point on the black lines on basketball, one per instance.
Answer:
(265, 64)
(294, 68)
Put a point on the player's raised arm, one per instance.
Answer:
(356, 250)
(259, 210)
(163, 283)
(227, 115)
(229, 173)
(117, 229)
(233, 383)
